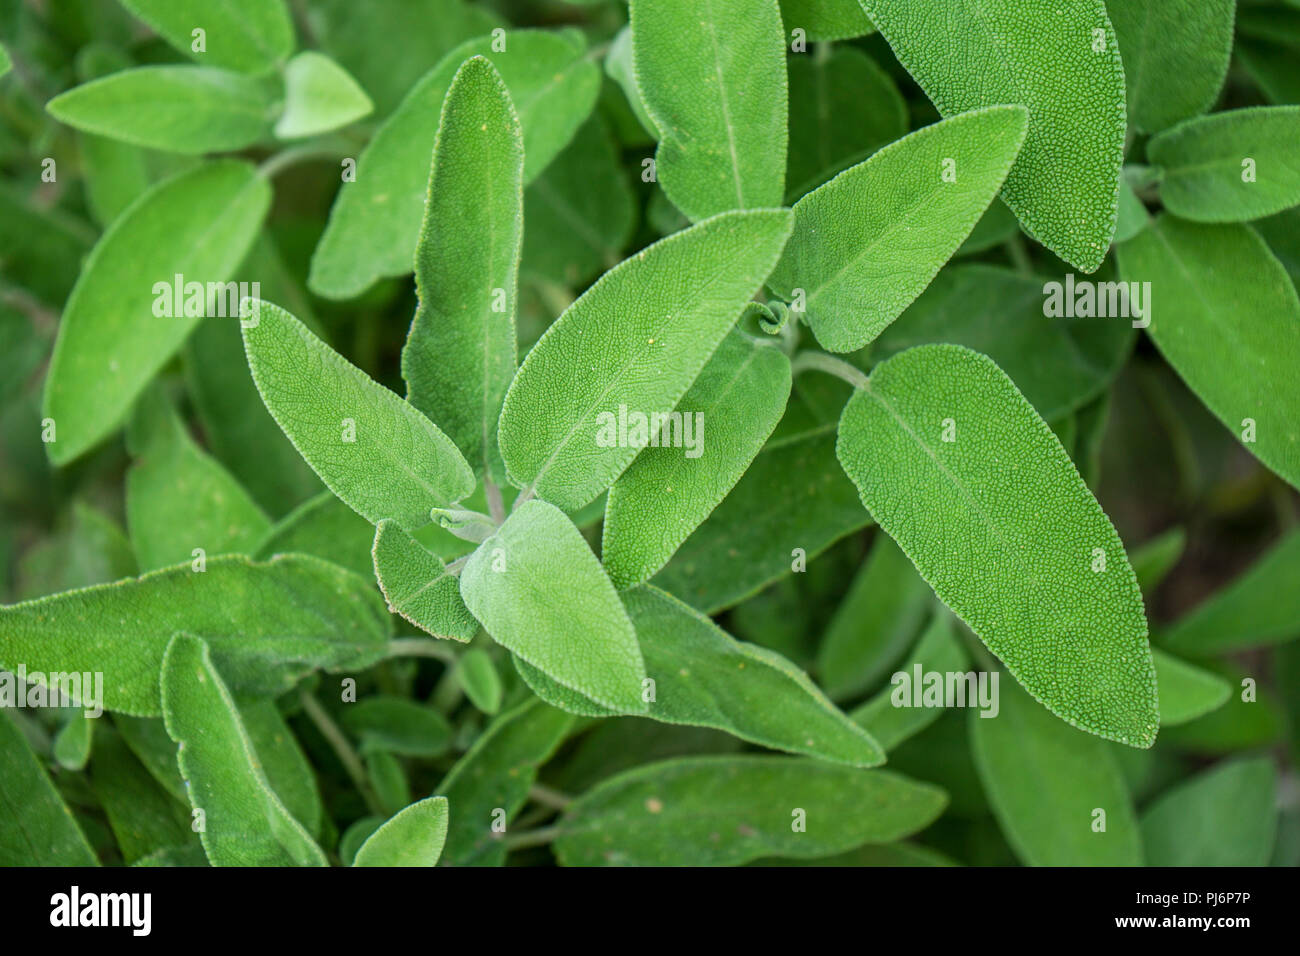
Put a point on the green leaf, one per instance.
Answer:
(703, 677)
(1000, 524)
(246, 35)
(378, 453)
(1052, 59)
(479, 679)
(418, 586)
(5, 62)
(179, 109)
(826, 19)
(1253, 718)
(619, 68)
(319, 95)
(37, 828)
(143, 816)
(179, 499)
(712, 76)
(1046, 782)
(869, 241)
(538, 590)
(1154, 559)
(1060, 364)
(375, 224)
(414, 837)
(245, 824)
(938, 651)
(92, 550)
(669, 489)
(1224, 816)
(198, 225)
(875, 624)
(116, 173)
(1186, 691)
(634, 341)
(843, 107)
(459, 358)
(71, 747)
(286, 766)
(326, 528)
(1230, 167)
(724, 811)
(1228, 321)
(45, 246)
(1258, 608)
(495, 774)
(267, 624)
(1175, 57)
(398, 725)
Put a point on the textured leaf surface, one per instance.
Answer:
(712, 76)
(1224, 816)
(1186, 691)
(1044, 781)
(319, 96)
(286, 766)
(1000, 524)
(538, 590)
(705, 678)
(869, 241)
(198, 224)
(414, 837)
(460, 355)
(1205, 161)
(180, 109)
(378, 453)
(1064, 184)
(267, 624)
(246, 35)
(633, 342)
(1228, 321)
(667, 491)
(1175, 57)
(36, 827)
(723, 811)
(417, 586)
(245, 824)
(375, 224)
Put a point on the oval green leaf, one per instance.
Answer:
(414, 837)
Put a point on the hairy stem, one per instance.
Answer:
(830, 365)
(342, 749)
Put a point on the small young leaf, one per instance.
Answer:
(670, 488)
(246, 35)
(179, 109)
(633, 342)
(198, 225)
(414, 837)
(1062, 62)
(1175, 57)
(1058, 794)
(460, 355)
(712, 75)
(1224, 816)
(245, 824)
(1230, 167)
(479, 679)
(375, 224)
(417, 585)
(319, 96)
(71, 746)
(724, 811)
(398, 725)
(1228, 321)
(703, 677)
(378, 453)
(267, 624)
(538, 590)
(944, 449)
(37, 828)
(1258, 608)
(869, 241)
(1186, 691)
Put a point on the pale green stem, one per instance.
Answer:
(830, 365)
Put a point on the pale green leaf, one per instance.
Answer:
(246, 35)
(1186, 691)
(712, 75)
(634, 341)
(198, 225)
(71, 745)
(116, 173)
(1046, 781)
(37, 828)
(418, 586)
(1000, 524)
(673, 485)
(724, 811)
(1224, 816)
(459, 358)
(245, 823)
(179, 109)
(1228, 321)
(378, 453)
(414, 837)
(1062, 62)
(479, 679)
(538, 591)
(319, 95)
(869, 241)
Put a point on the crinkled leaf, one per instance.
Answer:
(418, 586)
(414, 837)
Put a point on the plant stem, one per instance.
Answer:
(548, 797)
(496, 508)
(539, 837)
(830, 365)
(273, 165)
(342, 749)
